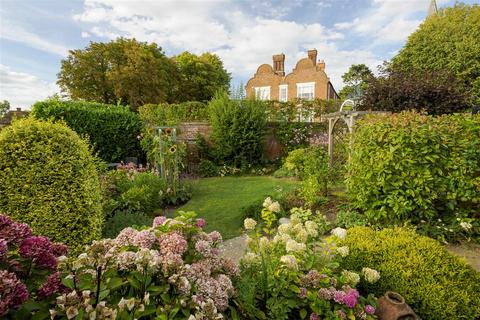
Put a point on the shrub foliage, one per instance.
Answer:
(48, 179)
(238, 129)
(413, 166)
(435, 283)
(112, 130)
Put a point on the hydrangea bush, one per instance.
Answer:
(291, 273)
(29, 278)
(171, 270)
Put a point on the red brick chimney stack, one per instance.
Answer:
(312, 55)
(279, 64)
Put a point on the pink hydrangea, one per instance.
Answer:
(200, 222)
(303, 293)
(369, 309)
(350, 298)
(341, 314)
(314, 316)
(13, 232)
(3, 249)
(338, 296)
(13, 292)
(158, 221)
(126, 236)
(215, 236)
(144, 239)
(59, 249)
(203, 247)
(40, 250)
(51, 286)
(173, 243)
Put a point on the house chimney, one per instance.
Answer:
(279, 64)
(312, 55)
(321, 65)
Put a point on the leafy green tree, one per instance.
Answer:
(4, 107)
(357, 75)
(200, 76)
(448, 40)
(125, 70)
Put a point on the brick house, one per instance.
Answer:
(308, 80)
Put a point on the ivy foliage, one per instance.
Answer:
(112, 130)
(48, 179)
(435, 283)
(238, 129)
(410, 166)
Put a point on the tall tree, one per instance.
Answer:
(447, 40)
(4, 107)
(200, 76)
(123, 70)
(357, 76)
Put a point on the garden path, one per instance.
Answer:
(470, 252)
(234, 248)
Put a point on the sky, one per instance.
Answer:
(35, 35)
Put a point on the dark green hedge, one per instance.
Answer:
(112, 130)
(48, 179)
(435, 283)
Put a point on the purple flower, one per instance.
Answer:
(172, 243)
(13, 292)
(3, 249)
(158, 221)
(313, 316)
(51, 286)
(215, 236)
(144, 239)
(40, 250)
(59, 249)
(200, 222)
(369, 309)
(326, 293)
(339, 296)
(303, 293)
(13, 232)
(350, 300)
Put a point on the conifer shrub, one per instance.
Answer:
(435, 283)
(48, 179)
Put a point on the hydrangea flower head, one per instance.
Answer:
(249, 224)
(371, 275)
(343, 251)
(339, 233)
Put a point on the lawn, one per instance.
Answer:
(220, 200)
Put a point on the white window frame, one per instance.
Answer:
(304, 85)
(262, 93)
(280, 88)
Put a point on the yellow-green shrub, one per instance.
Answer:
(48, 179)
(410, 166)
(435, 283)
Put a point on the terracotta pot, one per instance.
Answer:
(392, 306)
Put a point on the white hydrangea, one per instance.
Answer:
(283, 228)
(343, 251)
(302, 236)
(465, 225)
(249, 257)
(274, 207)
(294, 246)
(371, 275)
(340, 233)
(249, 224)
(352, 278)
(267, 202)
(290, 261)
(264, 242)
(312, 228)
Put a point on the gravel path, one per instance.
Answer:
(234, 248)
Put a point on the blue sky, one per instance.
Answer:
(35, 35)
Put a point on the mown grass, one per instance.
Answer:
(220, 200)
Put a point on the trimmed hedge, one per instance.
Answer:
(112, 130)
(48, 179)
(413, 166)
(437, 284)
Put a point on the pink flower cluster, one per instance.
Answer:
(52, 286)
(13, 232)
(172, 243)
(42, 252)
(13, 292)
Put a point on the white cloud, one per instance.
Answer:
(85, 34)
(14, 32)
(388, 21)
(22, 89)
(243, 41)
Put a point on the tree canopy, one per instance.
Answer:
(200, 76)
(4, 107)
(135, 73)
(357, 75)
(449, 41)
